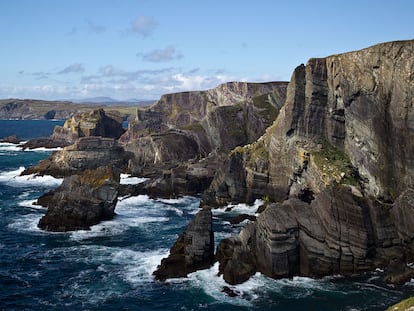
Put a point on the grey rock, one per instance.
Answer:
(193, 250)
(81, 201)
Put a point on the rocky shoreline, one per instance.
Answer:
(331, 154)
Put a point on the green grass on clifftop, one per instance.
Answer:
(334, 163)
(403, 305)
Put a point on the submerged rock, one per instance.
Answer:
(10, 139)
(81, 201)
(193, 250)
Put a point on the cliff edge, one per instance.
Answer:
(338, 166)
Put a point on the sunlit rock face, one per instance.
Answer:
(338, 162)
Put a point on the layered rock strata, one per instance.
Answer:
(81, 201)
(86, 153)
(192, 125)
(339, 162)
(193, 250)
(94, 123)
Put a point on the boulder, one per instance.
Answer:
(81, 201)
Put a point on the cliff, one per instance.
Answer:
(337, 162)
(81, 201)
(94, 123)
(31, 109)
(215, 120)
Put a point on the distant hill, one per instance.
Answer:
(113, 102)
(30, 109)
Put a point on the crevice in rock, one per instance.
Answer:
(306, 195)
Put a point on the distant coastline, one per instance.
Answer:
(31, 109)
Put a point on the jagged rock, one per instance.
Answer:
(339, 160)
(235, 255)
(213, 121)
(398, 272)
(94, 123)
(337, 233)
(171, 147)
(44, 142)
(87, 153)
(81, 201)
(193, 250)
(10, 139)
(241, 217)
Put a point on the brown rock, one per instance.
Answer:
(81, 201)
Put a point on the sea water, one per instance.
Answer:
(110, 266)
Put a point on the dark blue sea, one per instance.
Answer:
(110, 267)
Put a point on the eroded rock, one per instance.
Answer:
(193, 250)
(81, 201)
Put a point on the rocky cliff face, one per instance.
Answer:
(86, 153)
(94, 123)
(81, 201)
(36, 109)
(339, 160)
(193, 250)
(216, 120)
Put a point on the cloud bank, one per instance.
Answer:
(164, 55)
(143, 25)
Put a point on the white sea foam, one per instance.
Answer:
(18, 147)
(213, 285)
(43, 149)
(128, 180)
(240, 208)
(13, 178)
(130, 212)
(31, 204)
(27, 223)
(139, 266)
(9, 147)
(183, 200)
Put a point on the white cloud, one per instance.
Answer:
(98, 29)
(161, 55)
(143, 25)
(118, 83)
(74, 68)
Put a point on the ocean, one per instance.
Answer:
(110, 266)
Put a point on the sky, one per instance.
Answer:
(141, 49)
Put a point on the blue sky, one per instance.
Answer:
(71, 49)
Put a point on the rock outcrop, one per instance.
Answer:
(193, 250)
(81, 201)
(94, 123)
(87, 153)
(338, 162)
(213, 121)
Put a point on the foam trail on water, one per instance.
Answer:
(27, 223)
(9, 147)
(130, 212)
(31, 204)
(240, 208)
(213, 285)
(139, 266)
(13, 178)
(43, 149)
(128, 180)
